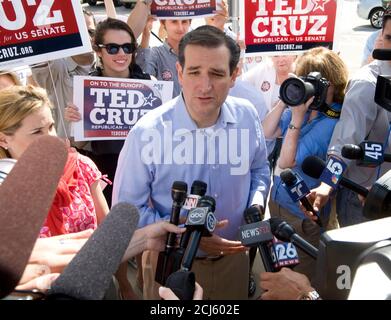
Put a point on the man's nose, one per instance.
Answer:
(205, 84)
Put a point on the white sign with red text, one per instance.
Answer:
(34, 31)
(287, 25)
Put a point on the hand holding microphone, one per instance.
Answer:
(202, 222)
(298, 190)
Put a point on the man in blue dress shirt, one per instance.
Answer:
(200, 135)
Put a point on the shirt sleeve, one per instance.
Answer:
(90, 171)
(357, 117)
(41, 73)
(313, 143)
(285, 120)
(147, 60)
(260, 172)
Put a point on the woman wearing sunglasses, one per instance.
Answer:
(115, 46)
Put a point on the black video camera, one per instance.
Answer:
(296, 91)
(383, 83)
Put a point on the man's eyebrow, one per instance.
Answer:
(193, 67)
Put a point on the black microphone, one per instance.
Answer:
(285, 232)
(202, 222)
(298, 190)
(367, 153)
(257, 232)
(314, 166)
(166, 259)
(382, 54)
(88, 275)
(178, 195)
(198, 190)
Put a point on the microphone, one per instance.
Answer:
(25, 199)
(381, 54)
(198, 190)
(166, 259)
(88, 275)
(298, 190)
(314, 167)
(285, 232)
(367, 153)
(178, 195)
(257, 232)
(284, 254)
(202, 222)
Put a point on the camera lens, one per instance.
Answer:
(295, 91)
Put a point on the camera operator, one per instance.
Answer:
(361, 119)
(306, 131)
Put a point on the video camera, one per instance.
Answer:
(383, 83)
(296, 91)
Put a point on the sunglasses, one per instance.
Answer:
(113, 48)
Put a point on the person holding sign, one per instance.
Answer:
(160, 61)
(115, 46)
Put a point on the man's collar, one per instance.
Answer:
(182, 119)
(167, 46)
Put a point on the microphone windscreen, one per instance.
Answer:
(26, 196)
(381, 54)
(352, 151)
(198, 188)
(252, 215)
(288, 177)
(281, 229)
(313, 166)
(88, 275)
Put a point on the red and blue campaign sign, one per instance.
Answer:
(33, 31)
(287, 25)
(110, 107)
(182, 9)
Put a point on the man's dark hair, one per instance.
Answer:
(387, 15)
(209, 37)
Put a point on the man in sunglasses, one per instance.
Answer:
(63, 70)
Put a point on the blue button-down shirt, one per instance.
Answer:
(313, 140)
(165, 146)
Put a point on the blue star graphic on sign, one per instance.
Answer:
(149, 100)
(319, 4)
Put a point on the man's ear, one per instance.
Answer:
(234, 76)
(180, 72)
(4, 140)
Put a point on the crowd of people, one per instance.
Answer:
(228, 128)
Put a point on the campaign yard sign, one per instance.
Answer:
(33, 31)
(110, 107)
(182, 9)
(287, 25)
